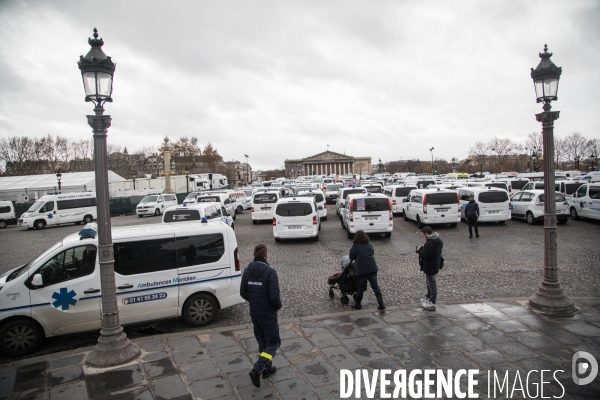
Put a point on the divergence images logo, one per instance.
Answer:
(581, 367)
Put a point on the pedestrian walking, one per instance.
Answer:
(365, 268)
(260, 287)
(472, 214)
(430, 256)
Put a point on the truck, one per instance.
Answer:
(208, 181)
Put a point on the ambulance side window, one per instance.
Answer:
(144, 256)
(69, 264)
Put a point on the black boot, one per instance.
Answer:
(357, 301)
(380, 301)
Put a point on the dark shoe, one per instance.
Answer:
(255, 376)
(380, 302)
(357, 302)
(470, 237)
(270, 372)
(477, 236)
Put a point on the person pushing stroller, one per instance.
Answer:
(363, 253)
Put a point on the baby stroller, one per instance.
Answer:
(345, 281)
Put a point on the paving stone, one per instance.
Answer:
(539, 364)
(510, 326)
(586, 330)
(65, 375)
(294, 347)
(129, 393)
(368, 321)
(159, 368)
(453, 311)
(536, 322)
(234, 363)
(454, 333)
(335, 321)
(71, 391)
(412, 358)
(200, 370)
(225, 342)
(488, 357)
(30, 393)
(492, 336)
(309, 327)
(392, 317)
(534, 339)
(212, 388)
(152, 345)
(331, 391)
(492, 316)
(513, 349)
(345, 331)
(454, 360)
(148, 357)
(184, 343)
(284, 373)
(409, 329)
(364, 349)
(250, 344)
(222, 351)
(252, 393)
(384, 363)
(286, 334)
(388, 337)
(324, 339)
(519, 310)
(319, 372)
(477, 308)
(241, 379)
(433, 321)
(7, 379)
(31, 372)
(562, 336)
(170, 387)
(430, 342)
(589, 314)
(63, 362)
(470, 346)
(294, 389)
(557, 355)
(341, 358)
(215, 336)
(473, 324)
(114, 379)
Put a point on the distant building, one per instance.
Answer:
(328, 163)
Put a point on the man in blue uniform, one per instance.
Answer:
(260, 287)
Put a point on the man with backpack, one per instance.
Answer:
(430, 258)
(260, 287)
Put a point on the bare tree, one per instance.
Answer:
(18, 153)
(479, 152)
(560, 150)
(534, 143)
(576, 145)
(502, 148)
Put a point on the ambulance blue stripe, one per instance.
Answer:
(127, 293)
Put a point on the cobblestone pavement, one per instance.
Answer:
(506, 261)
(495, 337)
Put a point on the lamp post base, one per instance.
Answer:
(113, 348)
(550, 299)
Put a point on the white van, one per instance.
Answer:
(219, 197)
(319, 197)
(370, 212)
(189, 269)
(155, 204)
(263, 204)
(58, 209)
(296, 218)
(341, 197)
(492, 184)
(586, 202)
(432, 206)
(195, 212)
(7, 214)
(592, 176)
(539, 176)
(397, 193)
(494, 205)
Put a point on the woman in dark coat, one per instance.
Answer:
(363, 253)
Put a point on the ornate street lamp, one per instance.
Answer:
(577, 162)
(133, 176)
(247, 169)
(58, 178)
(187, 178)
(549, 297)
(97, 71)
(432, 168)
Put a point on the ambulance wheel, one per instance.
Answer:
(345, 299)
(19, 337)
(157, 212)
(419, 224)
(3, 224)
(404, 215)
(331, 295)
(388, 235)
(200, 309)
(87, 219)
(239, 210)
(39, 224)
(574, 213)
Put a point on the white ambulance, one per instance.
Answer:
(59, 209)
(188, 269)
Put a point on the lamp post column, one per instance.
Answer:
(113, 346)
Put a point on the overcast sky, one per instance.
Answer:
(283, 79)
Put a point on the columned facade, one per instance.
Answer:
(328, 163)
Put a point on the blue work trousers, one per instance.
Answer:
(266, 332)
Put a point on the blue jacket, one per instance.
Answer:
(260, 287)
(364, 254)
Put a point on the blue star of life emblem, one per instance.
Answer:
(64, 299)
(581, 204)
(50, 216)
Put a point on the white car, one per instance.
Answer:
(155, 204)
(529, 205)
(331, 192)
(296, 218)
(369, 212)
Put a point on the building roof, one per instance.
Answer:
(48, 181)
